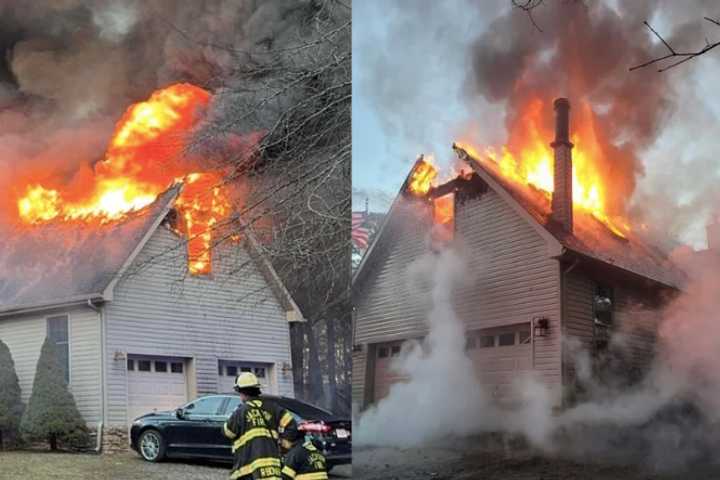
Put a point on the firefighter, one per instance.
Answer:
(254, 430)
(302, 461)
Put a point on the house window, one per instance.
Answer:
(382, 352)
(176, 367)
(57, 332)
(231, 371)
(143, 365)
(506, 339)
(130, 365)
(603, 307)
(160, 367)
(487, 341)
(260, 372)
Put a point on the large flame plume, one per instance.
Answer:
(144, 157)
(528, 159)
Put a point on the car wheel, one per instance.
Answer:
(151, 446)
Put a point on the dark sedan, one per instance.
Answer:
(195, 430)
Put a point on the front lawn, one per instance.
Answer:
(126, 466)
(24, 465)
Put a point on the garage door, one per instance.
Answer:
(155, 384)
(500, 356)
(229, 369)
(385, 375)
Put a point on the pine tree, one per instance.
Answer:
(11, 406)
(51, 413)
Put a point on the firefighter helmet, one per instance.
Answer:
(292, 433)
(246, 380)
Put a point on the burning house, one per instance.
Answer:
(136, 276)
(551, 274)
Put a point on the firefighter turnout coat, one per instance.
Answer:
(253, 428)
(304, 462)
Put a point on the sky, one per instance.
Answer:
(411, 60)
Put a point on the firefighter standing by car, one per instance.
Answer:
(254, 430)
(302, 461)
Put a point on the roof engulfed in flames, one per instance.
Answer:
(145, 155)
(527, 159)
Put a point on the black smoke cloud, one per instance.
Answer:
(69, 68)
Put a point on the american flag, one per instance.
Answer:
(360, 233)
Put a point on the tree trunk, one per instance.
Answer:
(53, 442)
(314, 374)
(332, 363)
(297, 345)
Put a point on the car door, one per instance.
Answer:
(199, 431)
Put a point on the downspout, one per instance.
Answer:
(99, 431)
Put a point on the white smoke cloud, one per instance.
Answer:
(666, 419)
(442, 395)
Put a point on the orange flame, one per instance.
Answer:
(144, 157)
(422, 177)
(444, 210)
(528, 159)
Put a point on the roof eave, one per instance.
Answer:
(53, 304)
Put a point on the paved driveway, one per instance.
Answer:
(66, 466)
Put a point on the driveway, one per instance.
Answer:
(127, 466)
(466, 461)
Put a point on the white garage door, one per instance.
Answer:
(228, 370)
(155, 384)
(500, 356)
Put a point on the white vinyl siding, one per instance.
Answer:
(160, 310)
(25, 335)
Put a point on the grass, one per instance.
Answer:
(31, 465)
(126, 466)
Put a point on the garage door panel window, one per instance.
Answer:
(231, 371)
(176, 367)
(144, 366)
(131, 365)
(506, 339)
(160, 367)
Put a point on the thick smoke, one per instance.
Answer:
(68, 69)
(584, 55)
(441, 396)
(666, 420)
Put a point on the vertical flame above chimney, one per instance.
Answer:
(562, 197)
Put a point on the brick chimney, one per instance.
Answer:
(562, 203)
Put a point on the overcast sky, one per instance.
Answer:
(410, 69)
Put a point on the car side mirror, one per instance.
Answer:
(180, 413)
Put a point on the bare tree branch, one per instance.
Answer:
(681, 57)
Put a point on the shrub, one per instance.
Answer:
(11, 407)
(51, 414)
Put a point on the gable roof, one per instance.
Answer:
(61, 263)
(382, 232)
(589, 237)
